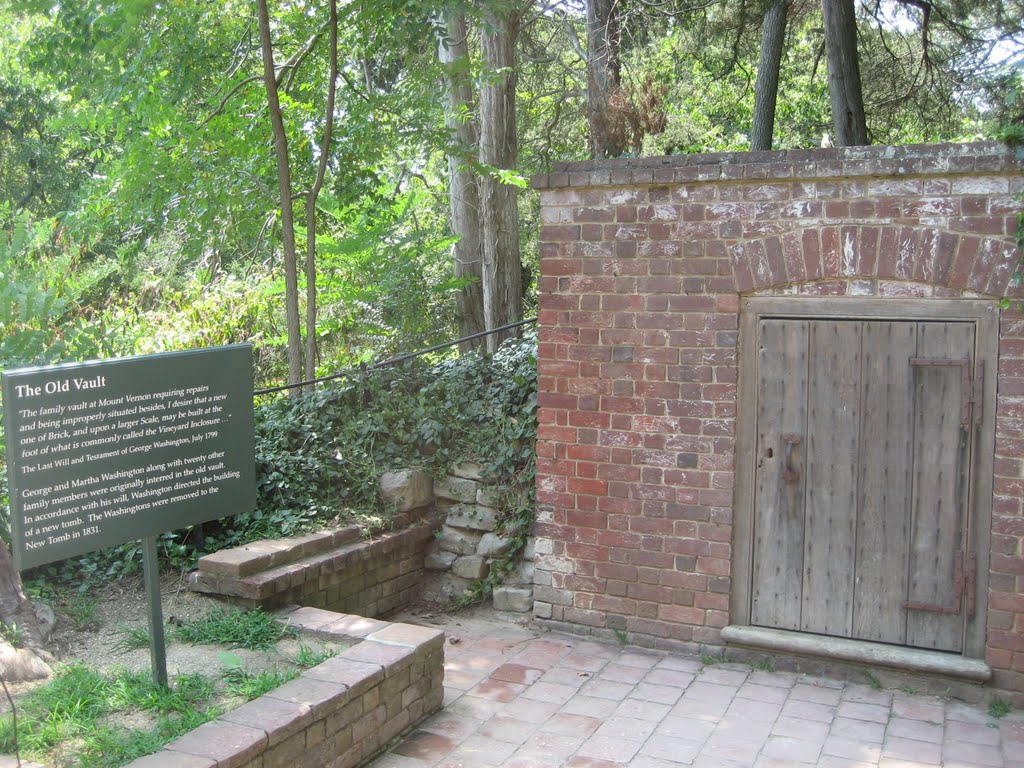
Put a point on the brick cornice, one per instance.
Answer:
(986, 157)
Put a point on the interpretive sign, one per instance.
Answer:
(104, 452)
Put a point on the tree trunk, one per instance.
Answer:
(463, 195)
(31, 661)
(314, 193)
(502, 265)
(291, 282)
(844, 84)
(603, 80)
(766, 89)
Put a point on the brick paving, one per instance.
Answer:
(516, 699)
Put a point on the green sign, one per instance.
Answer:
(105, 452)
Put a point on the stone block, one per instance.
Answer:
(438, 560)
(490, 497)
(280, 719)
(226, 743)
(165, 758)
(470, 567)
(407, 490)
(530, 550)
(322, 697)
(459, 541)
(472, 516)
(521, 575)
(423, 639)
(468, 470)
(456, 489)
(444, 588)
(492, 545)
(515, 599)
(392, 658)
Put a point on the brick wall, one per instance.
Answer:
(338, 714)
(643, 267)
(337, 570)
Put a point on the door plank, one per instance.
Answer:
(939, 485)
(883, 517)
(833, 431)
(779, 505)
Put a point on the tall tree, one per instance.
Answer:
(313, 193)
(463, 195)
(844, 85)
(603, 78)
(502, 262)
(766, 88)
(284, 181)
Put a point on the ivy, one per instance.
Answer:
(320, 455)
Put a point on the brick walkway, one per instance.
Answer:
(518, 700)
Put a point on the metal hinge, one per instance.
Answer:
(964, 580)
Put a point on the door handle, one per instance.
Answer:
(790, 466)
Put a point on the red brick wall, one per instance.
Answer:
(643, 265)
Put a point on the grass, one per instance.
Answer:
(308, 657)
(708, 659)
(872, 680)
(250, 685)
(998, 707)
(131, 639)
(72, 719)
(235, 628)
(68, 721)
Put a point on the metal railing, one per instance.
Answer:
(394, 360)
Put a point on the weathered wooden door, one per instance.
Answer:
(864, 440)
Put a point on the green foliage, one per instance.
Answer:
(138, 690)
(131, 638)
(320, 455)
(247, 685)
(235, 628)
(309, 657)
(998, 707)
(872, 679)
(63, 709)
(65, 721)
(12, 634)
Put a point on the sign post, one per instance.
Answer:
(151, 579)
(104, 452)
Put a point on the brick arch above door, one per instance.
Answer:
(956, 261)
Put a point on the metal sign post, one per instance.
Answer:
(151, 578)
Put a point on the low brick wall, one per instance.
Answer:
(339, 713)
(335, 570)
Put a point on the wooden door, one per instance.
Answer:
(863, 443)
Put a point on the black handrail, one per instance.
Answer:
(394, 360)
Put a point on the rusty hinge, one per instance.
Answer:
(970, 391)
(963, 580)
(978, 391)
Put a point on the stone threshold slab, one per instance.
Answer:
(860, 651)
